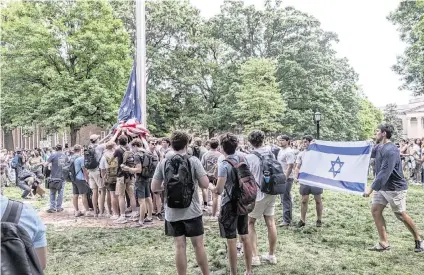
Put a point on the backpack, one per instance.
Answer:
(112, 169)
(68, 170)
(90, 159)
(245, 189)
(275, 150)
(128, 158)
(17, 251)
(211, 166)
(179, 184)
(15, 162)
(148, 162)
(274, 179)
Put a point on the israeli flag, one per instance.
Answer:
(338, 166)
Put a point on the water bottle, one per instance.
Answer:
(267, 176)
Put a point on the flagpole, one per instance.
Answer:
(140, 15)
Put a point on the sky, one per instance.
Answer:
(367, 39)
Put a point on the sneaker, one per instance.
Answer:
(256, 261)
(319, 223)
(114, 217)
(128, 210)
(51, 210)
(60, 209)
(147, 220)
(133, 214)
(419, 246)
(78, 214)
(121, 220)
(240, 251)
(159, 217)
(284, 224)
(301, 224)
(379, 248)
(271, 259)
(141, 224)
(89, 214)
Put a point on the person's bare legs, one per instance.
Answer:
(253, 237)
(133, 203)
(232, 255)
(157, 202)
(122, 204)
(409, 223)
(380, 223)
(304, 207)
(75, 202)
(142, 203)
(102, 197)
(272, 233)
(180, 255)
(108, 202)
(114, 201)
(215, 200)
(319, 206)
(149, 207)
(95, 199)
(247, 248)
(85, 202)
(199, 250)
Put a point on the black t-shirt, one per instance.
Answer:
(119, 154)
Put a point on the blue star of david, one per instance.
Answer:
(334, 163)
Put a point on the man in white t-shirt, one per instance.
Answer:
(287, 159)
(265, 203)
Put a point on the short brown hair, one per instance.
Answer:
(179, 140)
(214, 143)
(198, 141)
(77, 148)
(229, 143)
(110, 145)
(137, 143)
(256, 138)
(123, 140)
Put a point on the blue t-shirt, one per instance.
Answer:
(30, 221)
(79, 164)
(57, 160)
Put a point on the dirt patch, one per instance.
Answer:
(66, 218)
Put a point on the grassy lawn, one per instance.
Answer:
(339, 247)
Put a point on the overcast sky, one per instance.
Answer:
(367, 39)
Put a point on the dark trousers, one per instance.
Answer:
(286, 202)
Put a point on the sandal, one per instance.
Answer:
(379, 248)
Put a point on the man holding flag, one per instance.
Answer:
(390, 188)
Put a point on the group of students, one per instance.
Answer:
(411, 152)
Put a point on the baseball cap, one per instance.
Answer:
(94, 137)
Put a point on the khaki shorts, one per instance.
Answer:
(396, 199)
(264, 207)
(124, 184)
(94, 179)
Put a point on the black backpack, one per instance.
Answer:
(17, 251)
(274, 179)
(90, 160)
(148, 162)
(179, 185)
(68, 170)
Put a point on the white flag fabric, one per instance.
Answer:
(338, 166)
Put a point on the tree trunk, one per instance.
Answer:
(211, 131)
(74, 132)
(8, 140)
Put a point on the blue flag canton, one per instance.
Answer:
(339, 165)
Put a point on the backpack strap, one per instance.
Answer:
(258, 155)
(13, 211)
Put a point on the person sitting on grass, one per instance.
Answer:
(390, 188)
(183, 214)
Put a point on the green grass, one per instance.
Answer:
(339, 247)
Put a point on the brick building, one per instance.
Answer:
(40, 138)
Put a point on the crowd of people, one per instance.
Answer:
(179, 179)
(411, 152)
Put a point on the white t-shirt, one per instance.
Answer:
(286, 157)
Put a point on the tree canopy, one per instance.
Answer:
(68, 62)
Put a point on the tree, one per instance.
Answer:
(369, 118)
(409, 18)
(67, 62)
(258, 100)
(391, 116)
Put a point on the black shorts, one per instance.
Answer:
(111, 187)
(142, 189)
(80, 187)
(188, 228)
(309, 190)
(230, 223)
